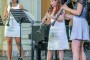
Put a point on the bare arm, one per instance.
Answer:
(60, 18)
(69, 16)
(5, 13)
(46, 18)
(75, 12)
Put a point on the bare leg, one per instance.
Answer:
(49, 55)
(82, 53)
(9, 41)
(18, 46)
(75, 49)
(61, 55)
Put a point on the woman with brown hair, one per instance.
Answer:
(57, 34)
(80, 28)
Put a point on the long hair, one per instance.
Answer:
(58, 7)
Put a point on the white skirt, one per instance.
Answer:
(13, 30)
(80, 29)
(58, 37)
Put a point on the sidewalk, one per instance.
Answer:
(68, 56)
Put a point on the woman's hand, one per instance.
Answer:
(65, 7)
(48, 15)
(46, 19)
(60, 18)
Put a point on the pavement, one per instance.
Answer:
(68, 56)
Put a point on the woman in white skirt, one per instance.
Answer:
(57, 34)
(80, 29)
(13, 30)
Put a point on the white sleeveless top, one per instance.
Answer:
(14, 29)
(58, 37)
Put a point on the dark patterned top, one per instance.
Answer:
(84, 10)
